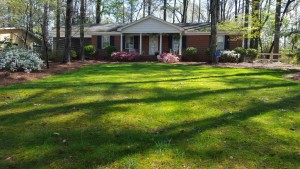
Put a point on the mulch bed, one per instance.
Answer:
(7, 78)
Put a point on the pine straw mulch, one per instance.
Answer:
(7, 78)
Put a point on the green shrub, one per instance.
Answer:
(189, 54)
(242, 51)
(73, 54)
(207, 51)
(109, 50)
(89, 50)
(252, 54)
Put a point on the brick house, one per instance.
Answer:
(151, 35)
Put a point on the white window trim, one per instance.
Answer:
(223, 47)
(173, 39)
(103, 36)
(127, 47)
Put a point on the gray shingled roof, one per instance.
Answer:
(111, 27)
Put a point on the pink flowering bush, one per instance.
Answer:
(124, 56)
(168, 58)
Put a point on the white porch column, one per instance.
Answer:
(180, 44)
(141, 45)
(121, 43)
(160, 44)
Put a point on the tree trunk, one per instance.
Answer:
(58, 11)
(165, 10)
(199, 15)
(208, 10)
(184, 13)
(235, 9)
(193, 11)
(82, 21)
(45, 28)
(174, 11)
(281, 19)
(98, 11)
(246, 22)
(144, 8)
(277, 26)
(68, 31)
(214, 28)
(149, 6)
(255, 24)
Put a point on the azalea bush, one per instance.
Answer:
(124, 56)
(168, 58)
(20, 60)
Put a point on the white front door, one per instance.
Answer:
(153, 44)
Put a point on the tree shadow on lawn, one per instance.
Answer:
(89, 144)
(169, 95)
(103, 147)
(93, 146)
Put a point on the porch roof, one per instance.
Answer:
(150, 24)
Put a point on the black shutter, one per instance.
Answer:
(136, 42)
(184, 42)
(227, 44)
(112, 41)
(209, 41)
(123, 43)
(99, 42)
(170, 42)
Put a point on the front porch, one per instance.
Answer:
(151, 44)
(151, 36)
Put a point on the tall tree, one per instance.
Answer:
(98, 11)
(174, 11)
(199, 14)
(82, 21)
(193, 11)
(165, 10)
(213, 29)
(255, 24)
(45, 33)
(58, 12)
(288, 3)
(184, 12)
(68, 31)
(149, 6)
(246, 22)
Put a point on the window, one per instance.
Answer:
(105, 41)
(220, 42)
(129, 42)
(175, 46)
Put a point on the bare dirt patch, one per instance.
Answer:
(7, 78)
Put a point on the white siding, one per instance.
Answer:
(151, 26)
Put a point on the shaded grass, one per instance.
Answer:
(152, 116)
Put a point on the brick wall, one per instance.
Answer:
(201, 42)
(235, 41)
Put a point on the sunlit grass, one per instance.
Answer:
(152, 116)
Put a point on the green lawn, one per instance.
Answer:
(152, 116)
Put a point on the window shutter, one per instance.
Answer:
(184, 42)
(124, 47)
(209, 41)
(112, 41)
(136, 42)
(99, 42)
(227, 44)
(170, 42)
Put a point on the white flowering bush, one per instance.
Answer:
(20, 60)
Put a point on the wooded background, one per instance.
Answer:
(268, 25)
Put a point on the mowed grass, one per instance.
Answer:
(150, 115)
